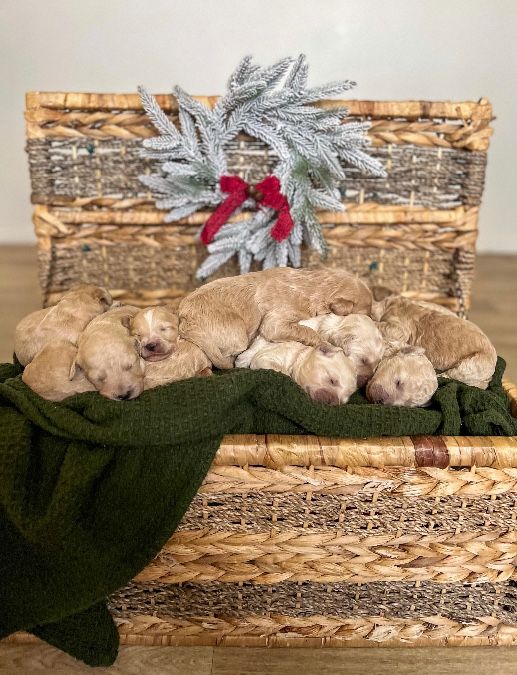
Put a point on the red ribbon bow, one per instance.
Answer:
(267, 193)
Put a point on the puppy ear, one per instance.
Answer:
(381, 293)
(392, 347)
(346, 343)
(75, 369)
(126, 321)
(341, 306)
(104, 296)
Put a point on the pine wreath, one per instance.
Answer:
(311, 145)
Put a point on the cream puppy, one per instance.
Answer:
(404, 377)
(324, 372)
(156, 329)
(358, 337)
(109, 355)
(48, 374)
(63, 321)
(457, 348)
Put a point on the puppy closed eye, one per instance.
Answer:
(333, 382)
(398, 384)
(127, 366)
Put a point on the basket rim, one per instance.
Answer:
(466, 110)
(437, 452)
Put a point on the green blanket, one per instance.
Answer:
(90, 489)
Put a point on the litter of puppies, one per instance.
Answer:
(323, 328)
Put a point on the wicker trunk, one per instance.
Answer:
(303, 541)
(414, 231)
(306, 541)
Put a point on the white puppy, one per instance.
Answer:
(324, 372)
(156, 329)
(358, 337)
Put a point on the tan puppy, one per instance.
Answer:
(358, 337)
(158, 373)
(222, 317)
(324, 372)
(63, 321)
(457, 348)
(404, 377)
(48, 374)
(109, 356)
(157, 330)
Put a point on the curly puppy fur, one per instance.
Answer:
(404, 377)
(222, 318)
(457, 348)
(324, 372)
(63, 321)
(109, 355)
(156, 329)
(358, 337)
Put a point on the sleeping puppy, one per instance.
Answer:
(158, 373)
(48, 374)
(63, 321)
(324, 372)
(404, 377)
(109, 355)
(457, 348)
(156, 329)
(358, 337)
(222, 317)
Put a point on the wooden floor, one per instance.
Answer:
(495, 309)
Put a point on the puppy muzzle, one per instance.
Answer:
(376, 393)
(323, 396)
(154, 350)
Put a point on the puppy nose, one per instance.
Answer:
(362, 380)
(376, 393)
(125, 396)
(325, 396)
(150, 346)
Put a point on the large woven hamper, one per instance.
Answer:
(303, 541)
(414, 231)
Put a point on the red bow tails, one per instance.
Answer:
(267, 193)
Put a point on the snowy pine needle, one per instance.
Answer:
(273, 105)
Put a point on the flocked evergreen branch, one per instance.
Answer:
(272, 104)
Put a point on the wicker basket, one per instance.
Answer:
(303, 541)
(414, 231)
(300, 541)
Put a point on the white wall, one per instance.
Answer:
(445, 49)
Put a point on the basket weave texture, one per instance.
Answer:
(414, 231)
